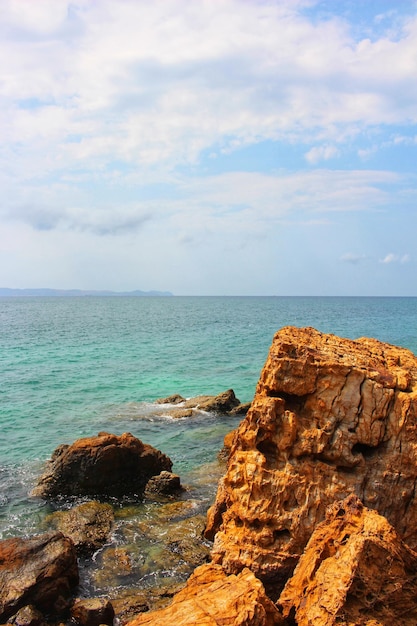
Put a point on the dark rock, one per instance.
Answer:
(92, 612)
(165, 484)
(88, 525)
(106, 465)
(241, 409)
(40, 571)
(223, 403)
(174, 399)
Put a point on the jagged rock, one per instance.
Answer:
(92, 612)
(28, 616)
(165, 483)
(330, 417)
(106, 465)
(88, 525)
(41, 571)
(211, 598)
(355, 569)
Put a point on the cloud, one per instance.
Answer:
(156, 84)
(351, 257)
(395, 258)
(321, 153)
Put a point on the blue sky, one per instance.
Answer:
(205, 147)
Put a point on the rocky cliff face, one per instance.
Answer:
(331, 417)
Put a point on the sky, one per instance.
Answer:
(209, 147)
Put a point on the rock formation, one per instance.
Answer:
(330, 417)
(40, 571)
(106, 465)
(355, 569)
(212, 598)
(88, 525)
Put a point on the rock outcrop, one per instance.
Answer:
(41, 571)
(330, 417)
(355, 569)
(88, 525)
(102, 466)
(212, 598)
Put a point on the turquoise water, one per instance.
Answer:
(71, 367)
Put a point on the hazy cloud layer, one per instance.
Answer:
(267, 128)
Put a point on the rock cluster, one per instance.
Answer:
(330, 417)
(315, 520)
(318, 500)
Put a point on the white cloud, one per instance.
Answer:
(321, 153)
(395, 258)
(158, 83)
(351, 257)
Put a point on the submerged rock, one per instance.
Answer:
(41, 571)
(106, 465)
(355, 569)
(330, 417)
(88, 525)
(212, 598)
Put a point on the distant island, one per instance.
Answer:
(4, 291)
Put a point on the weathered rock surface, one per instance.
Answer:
(40, 571)
(211, 598)
(330, 417)
(88, 525)
(224, 403)
(92, 612)
(28, 616)
(355, 569)
(106, 465)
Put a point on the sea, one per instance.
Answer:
(71, 367)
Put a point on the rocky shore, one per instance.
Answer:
(314, 522)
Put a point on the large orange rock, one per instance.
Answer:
(355, 570)
(211, 598)
(330, 417)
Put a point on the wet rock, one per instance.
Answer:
(88, 525)
(224, 403)
(92, 612)
(174, 399)
(28, 616)
(330, 417)
(106, 465)
(241, 409)
(355, 570)
(128, 604)
(211, 598)
(41, 571)
(165, 483)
